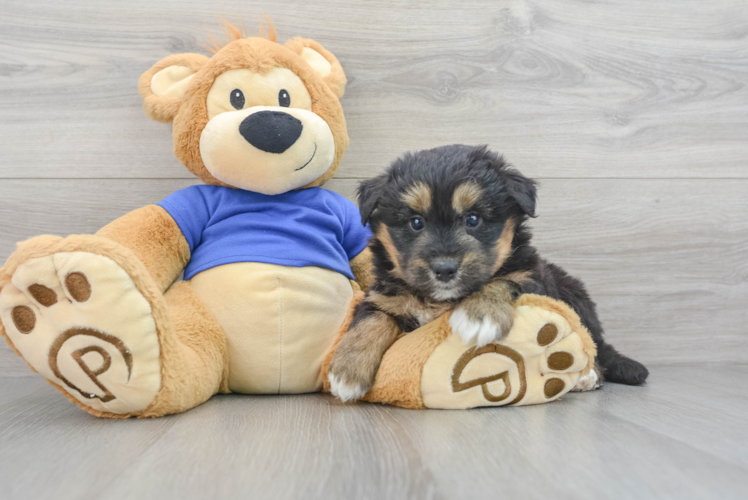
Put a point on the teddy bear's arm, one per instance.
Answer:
(151, 233)
(362, 268)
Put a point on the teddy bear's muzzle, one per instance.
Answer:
(267, 149)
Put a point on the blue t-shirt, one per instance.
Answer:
(308, 227)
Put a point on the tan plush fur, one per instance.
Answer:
(398, 381)
(569, 315)
(164, 108)
(155, 239)
(259, 55)
(149, 246)
(336, 80)
(195, 365)
(185, 372)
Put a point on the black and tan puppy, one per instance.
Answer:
(450, 233)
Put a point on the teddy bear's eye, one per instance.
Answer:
(237, 98)
(283, 98)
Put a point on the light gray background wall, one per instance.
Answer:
(633, 116)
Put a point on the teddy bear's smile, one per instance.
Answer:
(310, 159)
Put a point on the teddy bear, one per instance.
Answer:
(268, 257)
(271, 265)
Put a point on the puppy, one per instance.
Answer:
(450, 233)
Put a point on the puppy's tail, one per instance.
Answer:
(618, 368)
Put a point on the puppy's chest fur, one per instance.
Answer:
(408, 311)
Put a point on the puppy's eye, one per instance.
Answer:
(283, 98)
(472, 220)
(237, 99)
(416, 223)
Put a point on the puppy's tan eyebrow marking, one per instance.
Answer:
(465, 196)
(503, 246)
(418, 197)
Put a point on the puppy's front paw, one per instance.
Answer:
(344, 390)
(350, 375)
(481, 327)
(593, 380)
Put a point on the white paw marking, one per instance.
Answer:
(102, 348)
(587, 383)
(481, 332)
(344, 391)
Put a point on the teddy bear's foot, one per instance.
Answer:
(79, 319)
(544, 356)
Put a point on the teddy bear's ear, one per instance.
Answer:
(163, 86)
(322, 62)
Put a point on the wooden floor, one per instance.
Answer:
(682, 436)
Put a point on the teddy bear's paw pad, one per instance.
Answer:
(458, 376)
(497, 369)
(539, 360)
(78, 319)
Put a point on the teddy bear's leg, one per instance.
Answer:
(86, 314)
(544, 356)
(195, 358)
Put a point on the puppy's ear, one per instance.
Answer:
(522, 189)
(369, 193)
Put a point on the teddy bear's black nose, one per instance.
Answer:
(271, 131)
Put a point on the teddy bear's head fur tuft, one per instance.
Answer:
(257, 115)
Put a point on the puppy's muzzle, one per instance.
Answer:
(445, 270)
(271, 131)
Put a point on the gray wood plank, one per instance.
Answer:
(664, 259)
(618, 442)
(13, 388)
(52, 449)
(613, 89)
(698, 406)
(11, 364)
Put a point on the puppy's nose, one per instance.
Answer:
(271, 131)
(445, 269)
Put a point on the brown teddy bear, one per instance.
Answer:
(268, 260)
(268, 257)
